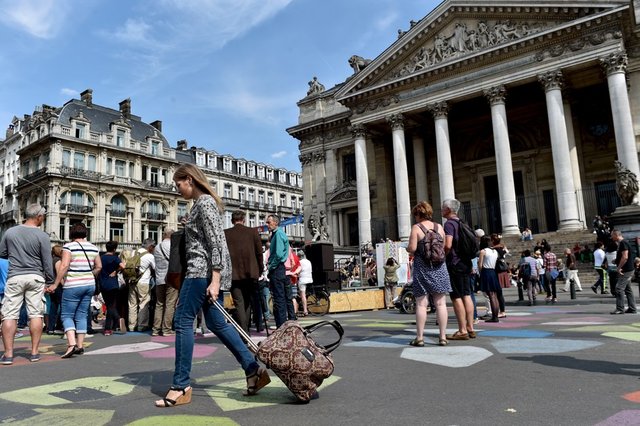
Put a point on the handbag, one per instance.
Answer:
(501, 265)
(177, 260)
(291, 353)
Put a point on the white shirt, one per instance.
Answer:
(147, 265)
(598, 258)
(489, 258)
(305, 272)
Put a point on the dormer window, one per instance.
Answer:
(270, 174)
(155, 148)
(252, 170)
(120, 134)
(211, 162)
(260, 172)
(200, 158)
(81, 131)
(282, 176)
(227, 164)
(242, 168)
(292, 179)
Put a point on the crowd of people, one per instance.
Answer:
(132, 290)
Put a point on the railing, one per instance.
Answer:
(162, 186)
(76, 208)
(33, 176)
(154, 216)
(86, 174)
(118, 213)
(66, 131)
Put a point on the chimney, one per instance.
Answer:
(182, 145)
(125, 108)
(9, 131)
(157, 125)
(87, 97)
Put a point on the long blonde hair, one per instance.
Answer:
(199, 179)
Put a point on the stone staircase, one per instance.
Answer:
(558, 241)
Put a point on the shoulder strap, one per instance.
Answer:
(88, 261)
(423, 228)
(163, 253)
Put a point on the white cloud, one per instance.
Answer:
(133, 31)
(279, 154)
(39, 18)
(69, 92)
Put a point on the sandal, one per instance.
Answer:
(443, 342)
(71, 350)
(417, 342)
(167, 402)
(256, 381)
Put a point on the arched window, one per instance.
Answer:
(118, 206)
(154, 210)
(76, 202)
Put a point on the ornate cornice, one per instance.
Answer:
(551, 80)
(495, 95)
(439, 109)
(616, 62)
(396, 121)
(580, 43)
(376, 103)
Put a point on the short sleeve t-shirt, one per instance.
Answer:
(451, 228)
(622, 246)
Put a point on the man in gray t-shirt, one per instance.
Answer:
(28, 249)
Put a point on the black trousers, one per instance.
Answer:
(243, 293)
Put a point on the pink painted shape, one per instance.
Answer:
(632, 396)
(623, 418)
(199, 351)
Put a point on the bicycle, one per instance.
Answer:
(318, 300)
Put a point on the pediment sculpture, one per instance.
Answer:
(358, 63)
(464, 39)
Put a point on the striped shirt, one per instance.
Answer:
(80, 272)
(550, 261)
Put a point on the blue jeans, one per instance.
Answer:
(192, 299)
(75, 308)
(277, 285)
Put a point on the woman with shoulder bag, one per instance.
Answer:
(111, 264)
(502, 269)
(488, 277)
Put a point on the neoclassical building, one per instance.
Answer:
(109, 169)
(518, 110)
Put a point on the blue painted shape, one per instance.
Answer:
(523, 333)
(542, 346)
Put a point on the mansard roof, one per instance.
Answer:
(101, 119)
(460, 33)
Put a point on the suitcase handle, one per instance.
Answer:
(335, 324)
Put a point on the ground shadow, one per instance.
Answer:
(593, 366)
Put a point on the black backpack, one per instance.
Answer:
(467, 246)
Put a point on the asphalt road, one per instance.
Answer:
(566, 364)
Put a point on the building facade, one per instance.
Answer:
(517, 110)
(114, 172)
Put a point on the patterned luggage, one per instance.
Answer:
(293, 355)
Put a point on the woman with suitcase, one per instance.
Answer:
(208, 273)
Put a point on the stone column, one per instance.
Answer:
(575, 164)
(565, 186)
(362, 183)
(107, 223)
(420, 165)
(336, 229)
(403, 204)
(130, 211)
(445, 167)
(615, 66)
(504, 167)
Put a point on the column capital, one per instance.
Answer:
(495, 95)
(319, 157)
(552, 80)
(358, 131)
(305, 159)
(396, 121)
(615, 62)
(439, 109)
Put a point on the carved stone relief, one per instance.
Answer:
(578, 44)
(377, 103)
(465, 39)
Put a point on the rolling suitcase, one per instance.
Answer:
(293, 355)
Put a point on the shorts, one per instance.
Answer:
(460, 284)
(27, 288)
(303, 287)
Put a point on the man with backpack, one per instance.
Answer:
(461, 246)
(138, 272)
(529, 273)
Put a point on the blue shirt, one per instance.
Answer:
(4, 270)
(110, 263)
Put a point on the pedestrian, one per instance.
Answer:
(305, 279)
(111, 264)
(530, 269)
(30, 268)
(488, 278)
(571, 270)
(625, 269)
(139, 290)
(390, 281)
(292, 269)
(80, 265)
(551, 275)
(278, 254)
(459, 270)
(245, 250)
(428, 278)
(166, 295)
(208, 275)
(600, 266)
(55, 299)
(503, 277)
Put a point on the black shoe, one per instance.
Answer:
(617, 312)
(595, 289)
(492, 320)
(78, 351)
(605, 292)
(630, 311)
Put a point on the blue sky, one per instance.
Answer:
(223, 74)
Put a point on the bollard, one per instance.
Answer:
(572, 287)
(520, 293)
